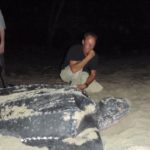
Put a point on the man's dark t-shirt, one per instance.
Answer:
(76, 53)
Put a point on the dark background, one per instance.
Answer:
(41, 30)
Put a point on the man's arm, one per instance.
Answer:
(78, 65)
(88, 81)
(2, 40)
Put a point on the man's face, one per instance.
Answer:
(88, 44)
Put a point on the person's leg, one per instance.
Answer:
(2, 63)
(67, 76)
(2, 69)
(79, 78)
(94, 87)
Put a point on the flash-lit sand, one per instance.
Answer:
(121, 78)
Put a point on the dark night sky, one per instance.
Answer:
(122, 26)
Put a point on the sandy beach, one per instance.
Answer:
(126, 78)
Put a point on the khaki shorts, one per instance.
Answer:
(79, 77)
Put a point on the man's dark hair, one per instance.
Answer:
(90, 34)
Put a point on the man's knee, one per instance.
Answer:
(66, 74)
(63, 76)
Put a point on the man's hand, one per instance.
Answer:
(78, 65)
(82, 86)
(91, 54)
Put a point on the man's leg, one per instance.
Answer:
(94, 87)
(79, 78)
(68, 76)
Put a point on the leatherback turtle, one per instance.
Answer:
(59, 117)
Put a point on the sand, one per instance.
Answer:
(12, 143)
(126, 78)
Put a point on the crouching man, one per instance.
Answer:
(80, 65)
